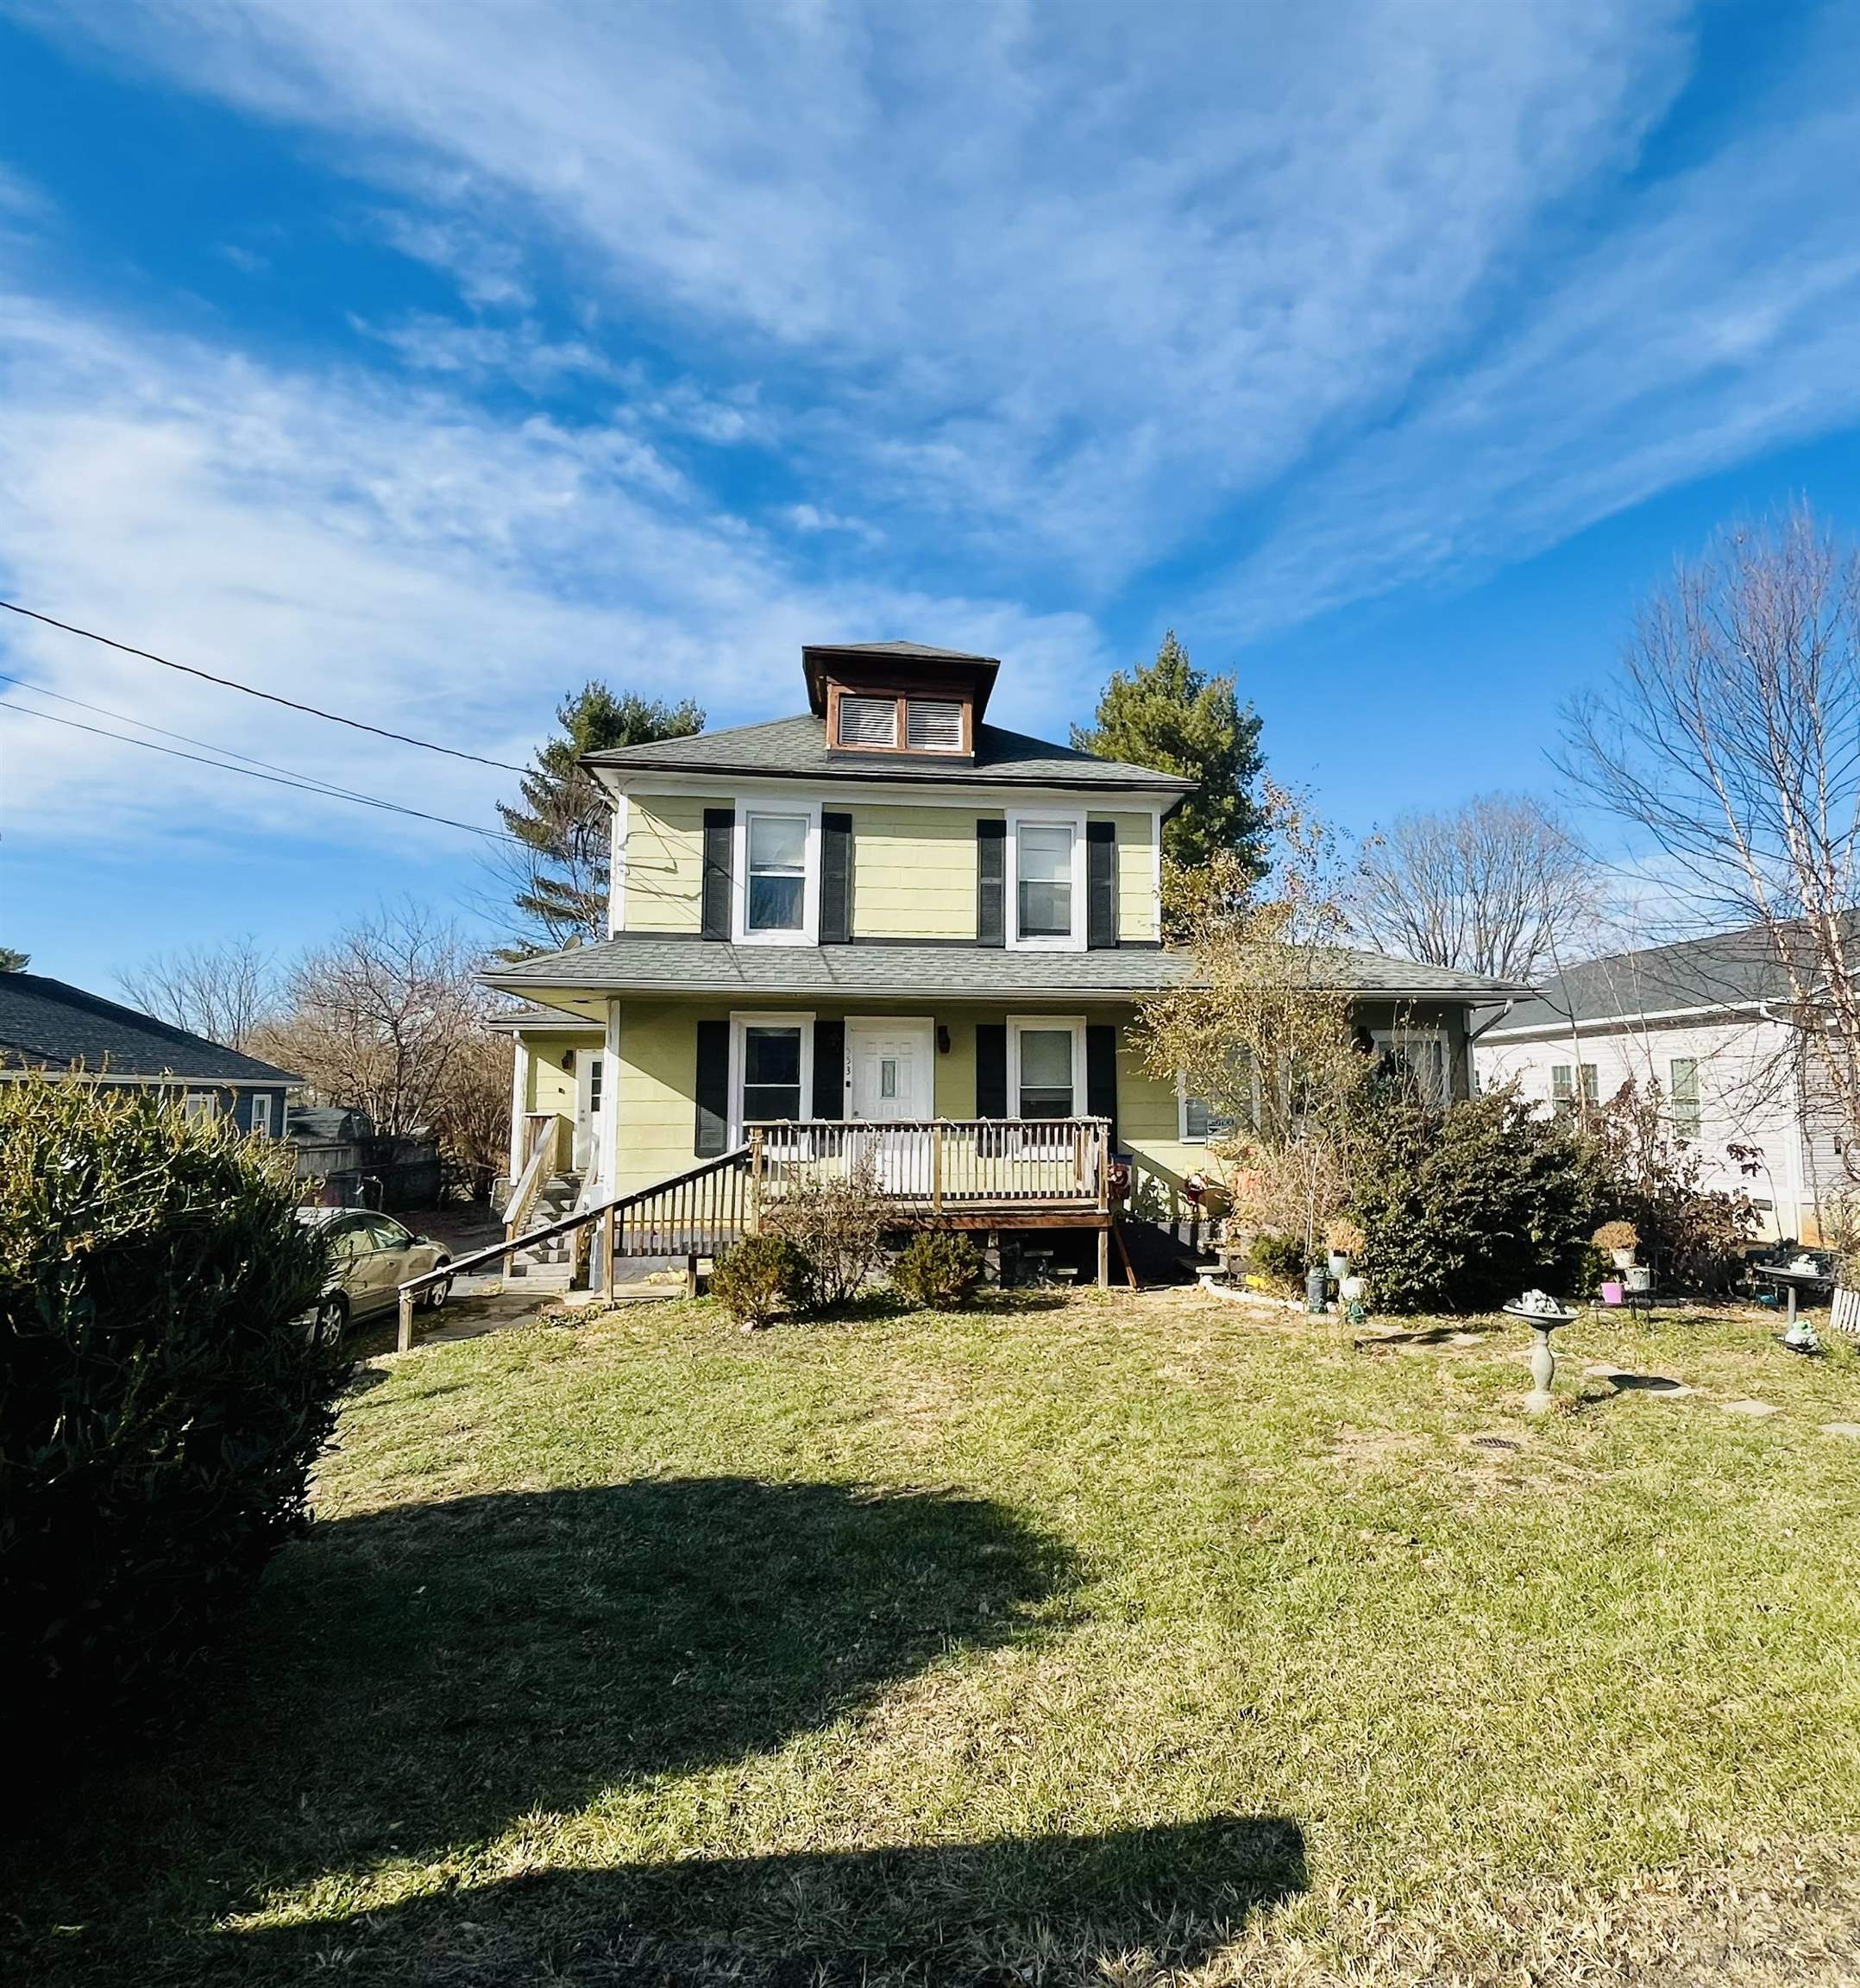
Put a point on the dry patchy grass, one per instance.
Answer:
(1123, 1640)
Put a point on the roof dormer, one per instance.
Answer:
(896, 699)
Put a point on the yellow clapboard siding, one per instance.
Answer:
(664, 886)
(913, 872)
(1136, 877)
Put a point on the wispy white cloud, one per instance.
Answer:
(1056, 284)
(404, 557)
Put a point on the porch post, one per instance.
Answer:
(519, 1098)
(1104, 1256)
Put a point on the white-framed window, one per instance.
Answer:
(868, 721)
(1563, 1086)
(201, 1105)
(1198, 1120)
(778, 864)
(1420, 1054)
(771, 1070)
(933, 725)
(1688, 1111)
(263, 1115)
(1046, 895)
(1046, 1066)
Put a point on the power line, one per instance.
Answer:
(252, 773)
(252, 690)
(186, 739)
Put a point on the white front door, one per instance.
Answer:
(893, 1078)
(892, 1072)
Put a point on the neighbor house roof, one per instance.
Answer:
(1727, 970)
(49, 1025)
(639, 964)
(795, 749)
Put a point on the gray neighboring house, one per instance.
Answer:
(50, 1026)
(1711, 1022)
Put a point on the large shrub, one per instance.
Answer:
(837, 1222)
(759, 1278)
(161, 1402)
(937, 1270)
(1462, 1209)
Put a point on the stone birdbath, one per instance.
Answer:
(1543, 1314)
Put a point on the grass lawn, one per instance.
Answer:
(1076, 1641)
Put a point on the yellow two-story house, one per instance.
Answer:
(887, 927)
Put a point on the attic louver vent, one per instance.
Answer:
(934, 726)
(868, 721)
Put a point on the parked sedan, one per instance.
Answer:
(371, 1256)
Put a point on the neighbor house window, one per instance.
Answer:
(1418, 1058)
(1688, 1118)
(1045, 1070)
(933, 725)
(777, 873)
(1562, 1086)
(772, 1074)
(262, 1116)
(868, 721)
(201, 1105)
(1043, 879)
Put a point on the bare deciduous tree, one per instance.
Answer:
(226, 992)
(1499, 886)
(384, 1018)
(1260, 1025)
(1730, 743)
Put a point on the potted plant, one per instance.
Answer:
(1619, 1240)
(1344, 1239)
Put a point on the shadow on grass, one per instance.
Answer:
(412, 1681)
(1013, 1909)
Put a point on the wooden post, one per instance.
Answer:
(691, 1276)
(936, 1169)
(404, 1343)
(603, 1279)
(755, 1181)
(1105, 1257)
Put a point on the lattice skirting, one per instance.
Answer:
(1846, 1313)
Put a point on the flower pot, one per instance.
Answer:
(1623, 1258)
(1639, 1277)
(1339, 1263)
(1612, 1292)
(1351, 1289)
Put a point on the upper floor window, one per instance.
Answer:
(933, 725)
(1044, 904)
(777, 873)
(868, 721)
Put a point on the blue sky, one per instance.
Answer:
(423, 361)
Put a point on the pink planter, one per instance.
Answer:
(1612, 1292)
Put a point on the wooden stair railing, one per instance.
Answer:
(693, 1214)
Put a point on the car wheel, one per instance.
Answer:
(436, 1294)
(332, 1320)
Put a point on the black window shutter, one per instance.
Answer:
(720, 842)
(836, 891)
(829, 1068)
(991, 885)
(712, 1088)
(1101, 883)
(1101, 1074)
(991, 1070)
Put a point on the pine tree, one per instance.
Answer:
(1167, 715)
(12, 961)
(559, 876)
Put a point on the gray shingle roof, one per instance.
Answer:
(1727, 970)
(795, 749)
(51, 1024)
(639, 963)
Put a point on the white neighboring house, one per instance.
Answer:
(1708, 1020)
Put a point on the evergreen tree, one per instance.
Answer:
(1167, 715)
(12, 961)
(559, 876)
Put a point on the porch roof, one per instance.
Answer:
(641, 963)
